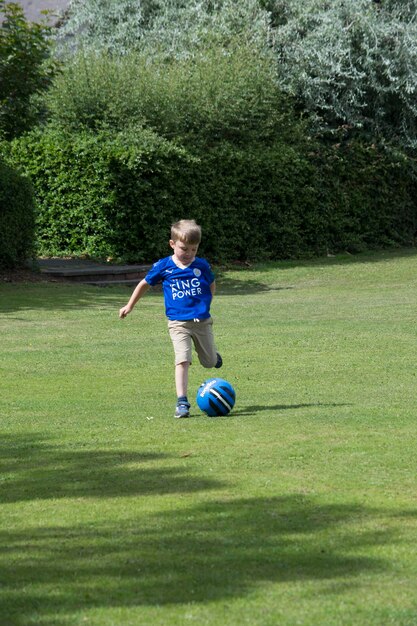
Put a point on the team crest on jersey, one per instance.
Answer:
(197, 272)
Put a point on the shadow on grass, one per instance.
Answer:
(67, 296)
(59, 297)
(251, 410)
(234, 287)
(377, 256)
(250, 284)
(62, 296)
(213, 551)
(33, 470)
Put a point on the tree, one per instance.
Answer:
(351, 62)
(173, 28)
(185, 29)
(111, 26)
(25, 68)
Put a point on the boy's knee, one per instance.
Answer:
(208, 363)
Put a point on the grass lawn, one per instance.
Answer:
(298, 508)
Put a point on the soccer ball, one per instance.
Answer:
(216, 397)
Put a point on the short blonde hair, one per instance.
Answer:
(187, 231)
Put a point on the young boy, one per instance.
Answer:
(188, 285)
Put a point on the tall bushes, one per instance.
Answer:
(134, 142)
(103, 193)
(17, 219)
(351, 62)
(115, 194)
(346, 61)
(214, 97)
(367, 195)
(25, 68)
(161, 28)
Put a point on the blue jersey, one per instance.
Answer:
(186, 291)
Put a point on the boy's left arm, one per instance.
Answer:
(213, 288)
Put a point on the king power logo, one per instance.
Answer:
(182, 288)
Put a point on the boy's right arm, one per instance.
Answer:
(139, 291)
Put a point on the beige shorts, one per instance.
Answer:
(184, 334)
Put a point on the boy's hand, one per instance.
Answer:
(125, 310)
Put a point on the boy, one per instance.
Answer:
(188, 286)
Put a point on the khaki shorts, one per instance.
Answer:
(184, 334)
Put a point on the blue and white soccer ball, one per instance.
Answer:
(216, 397)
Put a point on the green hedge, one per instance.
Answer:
(17, 220)
(107, 194)
(101, 194)
(367, 196)
(116, 195)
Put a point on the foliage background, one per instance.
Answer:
(17, 218)
(26, 69)
(287, 131)
(97, 194)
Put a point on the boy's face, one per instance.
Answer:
(184, 252)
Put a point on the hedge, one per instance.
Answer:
(17, 219)
(100, 194)
(368, 195)
(116, 194)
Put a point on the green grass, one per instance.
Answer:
(298, 508)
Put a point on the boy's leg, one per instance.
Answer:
(181, 340)
(203, 339)
(182, 408)
(181, 379)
